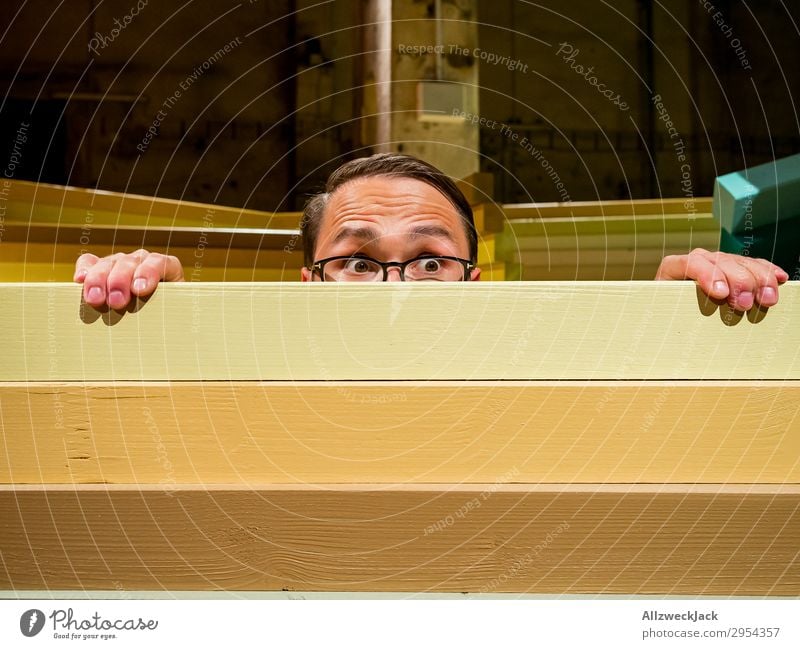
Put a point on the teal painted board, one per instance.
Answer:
(759, 212)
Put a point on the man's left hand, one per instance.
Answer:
(742, 280)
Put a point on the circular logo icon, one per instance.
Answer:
(31, 622)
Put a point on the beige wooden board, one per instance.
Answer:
(400, 432)
(647, 539)
(397, 330)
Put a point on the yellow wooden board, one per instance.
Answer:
(397, 331)
(400, 432)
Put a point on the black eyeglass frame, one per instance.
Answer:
(319, 265)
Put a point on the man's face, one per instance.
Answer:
(390, 219)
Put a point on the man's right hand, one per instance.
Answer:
(113, 280)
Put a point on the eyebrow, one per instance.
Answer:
(369, 234)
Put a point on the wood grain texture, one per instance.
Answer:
(400, 432)
(650, 539)
(398, 331)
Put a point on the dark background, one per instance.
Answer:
(266, 122)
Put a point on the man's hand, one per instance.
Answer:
(114, 279)
(742, 280)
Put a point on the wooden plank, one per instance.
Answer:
(400, 432)
(574, 258)
(29, 201)
(131, 237)
(582, 226)
(488, 218)
(478, 187)
(486, 249)
(647, 539)
(397, 330)
(652, 241)
(663, 207)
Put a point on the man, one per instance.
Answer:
(393, 217)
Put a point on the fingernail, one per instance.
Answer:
(720, 287)
(95, 294)
(116, 297)
(139, 284)
(81, 274)
(768, 294)
(745, 297)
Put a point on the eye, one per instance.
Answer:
(358, 265)
(431, 265)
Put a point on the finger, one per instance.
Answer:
(155, 268)
(780, 275)
(743, 279)
(697, 266)
(94, 284)
(120, 278)
(767, 291)
(82, 266)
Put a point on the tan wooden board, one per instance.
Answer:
(647, 539)
(400, 432)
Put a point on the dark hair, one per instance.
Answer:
(385, 164)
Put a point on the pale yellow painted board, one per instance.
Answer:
(405, 331)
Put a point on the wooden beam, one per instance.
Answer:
(488, 218)
(64, 205)
(647, 539)
(606, 226)
(131, 237)
(478, 187)
(397, 331)
(663, 208)
(401, 432)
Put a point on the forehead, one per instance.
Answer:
(399, 198)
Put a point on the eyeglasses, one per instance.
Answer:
(366, 269)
